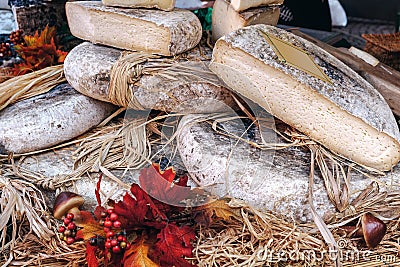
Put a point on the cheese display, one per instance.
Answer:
(240, 5)
(152, 31)
(323, 98)
(160, 4)
(195, 125)
(226, 19)
(174, 85)
(49, 119)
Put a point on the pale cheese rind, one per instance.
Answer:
(226, 19)
(166, 5)
(276, 180)
(49, 119)
(152, 31)
(348, 116)
(240, 5)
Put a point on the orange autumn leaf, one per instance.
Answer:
(90, 227)
(137, 255)
(38, 51)
(61, 55)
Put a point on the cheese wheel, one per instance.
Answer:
(152, 31)
(348, 116)
(167, 5)
(87, 68)
(240, 5)
(226, 19)
(49, 119)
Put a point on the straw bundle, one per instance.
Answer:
(29, 85)
(22, 209)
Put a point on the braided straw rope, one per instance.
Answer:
(127, 70)
(126, 73)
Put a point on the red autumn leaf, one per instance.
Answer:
(137, 255)
(98, 211)
(173, 244)
(140, 211)
(161, 185)
(90, 227)
(91, 255)
(97, 190)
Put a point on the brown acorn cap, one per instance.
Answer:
(67, 202)
(373, 230)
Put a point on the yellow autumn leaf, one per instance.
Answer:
(137, 255)
(220, 209)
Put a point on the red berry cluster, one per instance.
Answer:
(115, 242)
(5, 50)
(16, 37)
(68, 230)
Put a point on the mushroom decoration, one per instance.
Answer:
(67, 202)
(372, 230)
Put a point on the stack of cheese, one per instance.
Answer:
(166, 37)
(230, 15)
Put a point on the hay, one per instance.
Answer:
(122, 145)
(255, 239)
(22, 208)
(32, 251)
(29, 85)
(263, 239)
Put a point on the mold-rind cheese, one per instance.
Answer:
(347, 116)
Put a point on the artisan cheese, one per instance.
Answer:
(167, 5)
(49, 119)
(348, 116)
(153, 31)
(240, 5)
(275, 180)
(226, 19)
(87, 68)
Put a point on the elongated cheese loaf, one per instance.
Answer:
(348, 116)
(87, 68)
(226, 19)
(166, 5)
(274, 180)
(240, 5)
(152, 31)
